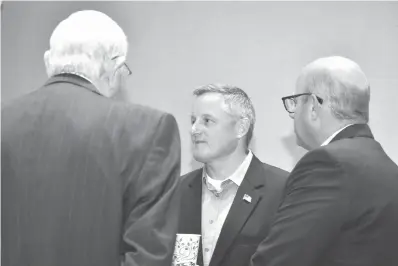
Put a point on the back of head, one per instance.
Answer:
(84, 43)
(343, 86)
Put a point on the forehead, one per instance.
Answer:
(209, 103)
(300, 84)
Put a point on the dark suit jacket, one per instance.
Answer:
(246, 224)
(340, 207)
(87, 180)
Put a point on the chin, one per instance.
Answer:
(201, 159)
(302, 144)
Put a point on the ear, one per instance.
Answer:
(242, 127)
(314, 107)
(110, 67)
(46, 58)
(118, 63)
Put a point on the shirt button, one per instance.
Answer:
(207, 250)
(211, 221)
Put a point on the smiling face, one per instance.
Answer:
(214, 131)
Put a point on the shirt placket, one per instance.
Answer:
(215, 226)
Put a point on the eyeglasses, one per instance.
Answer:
(125, 68)
(290, 102)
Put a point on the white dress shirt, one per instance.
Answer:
(78, 74)
(329, 139)
(217, 198)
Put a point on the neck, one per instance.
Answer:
(102, 87)
(331, 129)
(224, 167)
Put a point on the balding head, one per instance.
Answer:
(342, 84)
(84, 43)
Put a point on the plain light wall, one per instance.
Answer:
(258, 46)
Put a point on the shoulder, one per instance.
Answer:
(139, 110)
(275, 177)
(275, 171)
(18, 101)
(270, 170)
(339, 153)
(145, 116)
(263, 173)
(352, 149)
(318, 166)
(13, 109)
(319, 157)
(189, 177)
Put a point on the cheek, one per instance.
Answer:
(117, 79)
(223, 139)
(219, 142)
(299, 123)
(302, 125)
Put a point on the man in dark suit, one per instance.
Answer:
(87, 180)
(340, 206)
(232, 200)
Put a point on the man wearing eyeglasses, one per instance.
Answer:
(340, 205)
(87, 180)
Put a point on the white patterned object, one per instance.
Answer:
(186, 250)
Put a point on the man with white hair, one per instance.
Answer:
(87, 180)
(340, 205)
(231, 201)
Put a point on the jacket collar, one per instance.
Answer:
(354, 131)
(74, 79)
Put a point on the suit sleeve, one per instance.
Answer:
(309, 216)
(152, 220)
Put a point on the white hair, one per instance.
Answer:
(83, 42)
(342, 84)
(237, 101)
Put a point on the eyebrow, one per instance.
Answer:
(205, 116)
(208, 116)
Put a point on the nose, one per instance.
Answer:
(194, 129)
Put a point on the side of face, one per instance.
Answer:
(117, 79)
(305, 118)
(214, 132)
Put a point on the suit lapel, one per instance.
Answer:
(191, 209)
(240, 210)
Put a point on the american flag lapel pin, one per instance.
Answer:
(247, 198)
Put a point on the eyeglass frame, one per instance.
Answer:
(129, 72)
(294, 96)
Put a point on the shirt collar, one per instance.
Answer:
(328, 140)
(239, 174)
(78, 74)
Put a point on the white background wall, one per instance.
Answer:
(259, 46)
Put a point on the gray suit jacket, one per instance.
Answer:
(87, 180)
